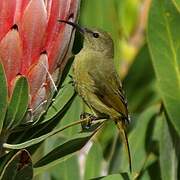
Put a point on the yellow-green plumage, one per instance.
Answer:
(97, 81)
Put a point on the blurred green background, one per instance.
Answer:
(118, 17)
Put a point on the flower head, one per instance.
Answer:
(33, 44)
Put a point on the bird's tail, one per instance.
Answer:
(122, 131)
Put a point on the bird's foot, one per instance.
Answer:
(90, 118)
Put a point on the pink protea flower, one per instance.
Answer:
(33, 44)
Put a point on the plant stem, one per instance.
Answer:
(3, 139)
(45, 136)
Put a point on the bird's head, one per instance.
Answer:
(94, 39)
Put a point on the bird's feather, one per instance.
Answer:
(107, 86)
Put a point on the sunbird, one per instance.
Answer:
(97, 81)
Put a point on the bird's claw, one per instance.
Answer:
(90, 118)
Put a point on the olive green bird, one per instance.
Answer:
(97, 81)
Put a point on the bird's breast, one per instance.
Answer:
(82, 79)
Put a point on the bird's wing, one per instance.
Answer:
(108, 88)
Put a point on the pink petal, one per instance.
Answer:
(20, 7)
(48, 5)
(39, 101)
(62, 9)
(7, 10)
(65, 49)
(32, 29)
(53, 27)
(11, 53)
(37, 74)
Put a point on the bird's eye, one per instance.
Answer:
(95, 35)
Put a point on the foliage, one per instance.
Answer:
(152, 85)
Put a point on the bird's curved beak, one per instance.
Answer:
(76, 26)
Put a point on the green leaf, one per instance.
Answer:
(139, 143)
(18, 103)
(62, 152)
(146, 176)
(116, 176)
(72, 115)
(168, 154)
(19, 167)
(3, 96)
(106, 136)
(128, 15)
(177, 4)
(4, 160)
(63, 97)
(163, 41)
(139, 83)
(94, 161)
(67, 170)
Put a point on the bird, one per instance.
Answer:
(97, 81)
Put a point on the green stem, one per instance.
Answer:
(43, 137)
(3, 139)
